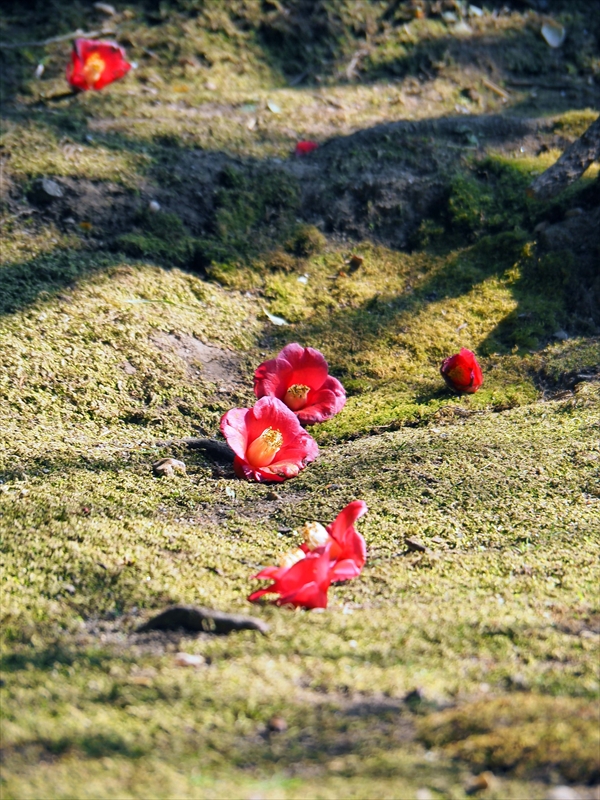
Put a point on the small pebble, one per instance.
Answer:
(423, 794)
(154, 206)
(189, 660)
(415, 545)
(168, 467)
(277, 725)
(562, 793)
(480, 783)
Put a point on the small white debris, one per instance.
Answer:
(154, 206)
(39, 71)
(562, 793)
(273, 107)
(167, 467)
(303, 279)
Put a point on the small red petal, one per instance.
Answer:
(305, 147)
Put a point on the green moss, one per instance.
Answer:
(574, 123)
(306, 240)
(160, 236)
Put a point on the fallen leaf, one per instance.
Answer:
(274, 319)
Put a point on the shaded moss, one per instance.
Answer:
(530, 735)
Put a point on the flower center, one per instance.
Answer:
(262, 451)
(295, 397)
(93, 68)
(289, 559)
(314, 535)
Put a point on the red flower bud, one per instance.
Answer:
(305, 147)
(462, 373)
(96, 64)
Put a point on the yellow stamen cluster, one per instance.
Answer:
(314, 535)
(93, 68)
(295, 397)
(262, 451)
(272, 438)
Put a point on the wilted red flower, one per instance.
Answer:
(268, 441)
(96, 64)
(304, 584)
(299, 376)
(335, 553)
(461, 372)
(305, 147)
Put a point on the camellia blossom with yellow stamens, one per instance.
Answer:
(96, 64)
(299, 377)
(268, 441)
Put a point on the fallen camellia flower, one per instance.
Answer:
(268, 441)
(299, 376)
(327, 555)
(305, 147)
(462, 373)
(96, 64)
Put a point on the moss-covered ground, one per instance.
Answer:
(124, 329)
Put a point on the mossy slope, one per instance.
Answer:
(481, 652)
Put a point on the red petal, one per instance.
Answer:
(234, 427)
(323, 403)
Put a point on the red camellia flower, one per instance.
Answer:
(462, 373)
(327, 555)
(96, 64)
(268, 441)
(304, 148)
(299, 376)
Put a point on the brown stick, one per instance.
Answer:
(205, 620)
(570, 166)
(78, 34)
